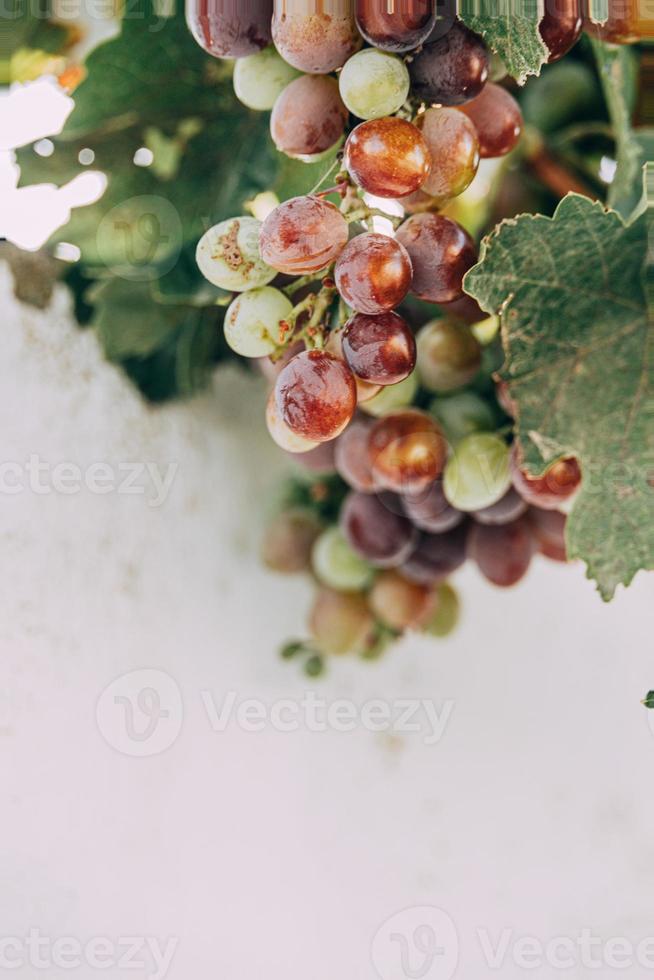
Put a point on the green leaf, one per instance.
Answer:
(579, 364)
(510, 28)
(649, 700)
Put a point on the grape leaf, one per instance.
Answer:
(510, 28)
(579, 365)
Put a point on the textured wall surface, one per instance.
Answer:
(280, 854)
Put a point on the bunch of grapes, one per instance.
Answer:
(407, 436)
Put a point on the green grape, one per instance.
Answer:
(374, 84)
(336, 565)
(228, 255)
(341, 622)
(449, 356)
(261, 77)
(392, 397)
(252, 321)
(463, 413)
(448, 610)
(478, 474)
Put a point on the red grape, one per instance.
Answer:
(559, 482)
(398, 27)
(561, 26)
(316, 36)
(365, 390)
(302, 235)
(401, 604)
(454, 148)
(548, 529)
(437, 556)
(441, 253)
(379, 349)
(373, 273)
(316, 395)
(309, 116)
(503, 552)
(452, 69)
(407, 451)
(285, 438)
(497, 118)
(506, 510)
(430, 510)
(230, 28)
(351, 456)
(375, 532)
(387, 157)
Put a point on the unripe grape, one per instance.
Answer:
(392, 397)
(260, 78)
(336, 565)
(451, 70)
(309, 117)
(463, 413)
(497, 118)
(454, 148)
(396, 27)
(303, 235)
(228, 255)
(387, 157)
(289, 540)
(549, 491)
(441, 253)
(379, 349)
(230, 28)
(407, 451)
(374, 84)
(448, 355)
(478, 474)
(252, 321)
(316, 36)
(316, 395)
(401, 604)
(446, 616)
(373, 273)
(340, 622)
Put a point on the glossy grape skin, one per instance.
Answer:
(375, 532)
(392, 397)
(230, 28)
(340, 622)
(228, 255)
(506, 510)
(446, 616)
(478, 474)
(448, 355)
(365, 389)
(463, 413)
(351, 456)
(404, 28)
(498, 120)
(373, 273)
(502, 552)
(399, 603)
(407, 451)
(454, 149)
(316, 395)
(374, 84)
(441, 253)
(309, 117)
(252, 321)
(387, 157)
(289, 540)
(279, 431)
(316, 36)
(379, 349)
(437, 556)
(336, 565)
(451, 70)
(561, 26)
(260, 78)
(430, 511)
(549, 491)
(302, 235)
(548, 531)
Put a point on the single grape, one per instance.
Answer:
(430, 510)
(446, 616)
(503, 552)
(303, 235)
(228, 256)
(373, 273)
(452, 69)
(252, 321)
(375, 532)
(441, 253)
(374, 84)
(387, 157)
(392, 397)
(337, 566)
(506, 510)
(549, 491)
(561, 26)
(396, 27)
(319, 460)
(309, 117)
(351, 456)
(401, 604)
(289, 540)
(227, 29)
(284, 436)
(478, 474)
(316, 36)
(261, 77)
(548, 531)
(497, 118)
(407, 451)
(316, 395)
(365, 390)
(340, 622)
(437, 556)
(448, 355)
(454, 148)
(463, 413)
(380, 349)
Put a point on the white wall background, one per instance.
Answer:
(274, 854)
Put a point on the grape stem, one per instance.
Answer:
(316, 306)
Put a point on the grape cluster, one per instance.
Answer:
(326, 288)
